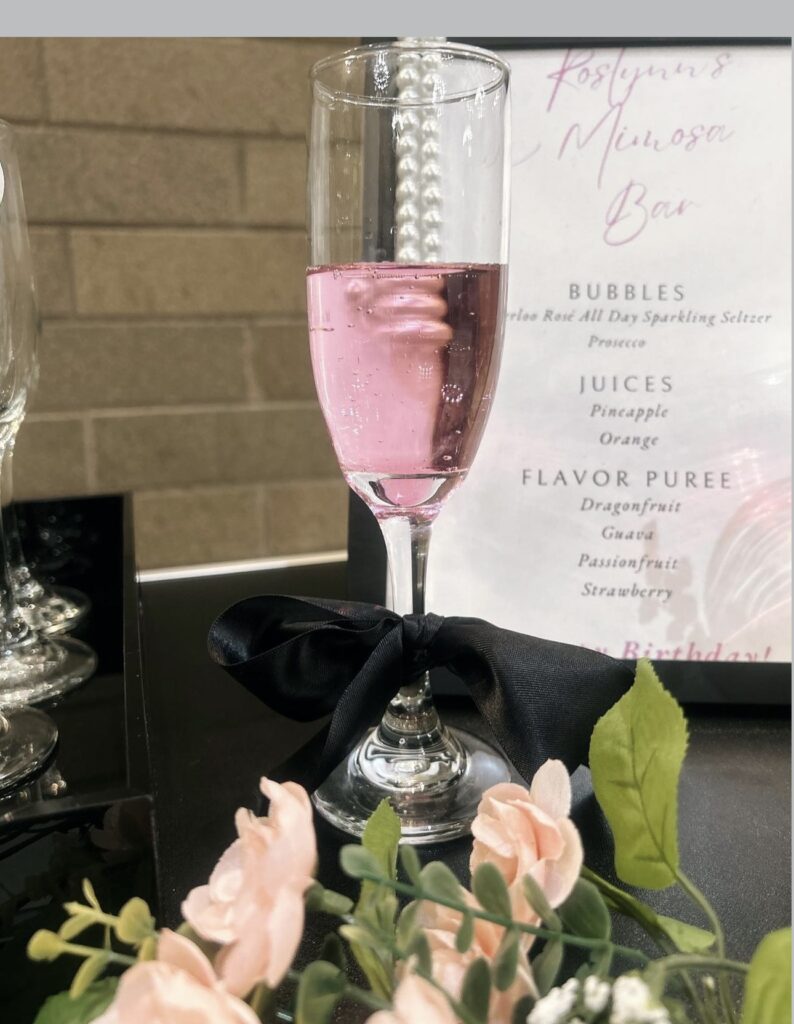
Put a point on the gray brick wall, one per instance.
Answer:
(164, 181)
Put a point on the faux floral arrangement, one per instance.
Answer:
(419, 948)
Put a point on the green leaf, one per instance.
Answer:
(74, 926)
(381, 837)
(476, 991)
(505, 963)
(320, 988)
(685, 937)
(490, 890)
(87, 973)
(465, 935)
(636, 753)
(767, 994)
(62, 1009)
(546, 966)
(361, 937)
(536, 898)
(333, 951)
(358, 862)
(135, 922)
(90, 895)
(327, 901)
(406, 923)
(585, 913)
(438, 882)
(44, 945)
(411, 864)
(420, 948)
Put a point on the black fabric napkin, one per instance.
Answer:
(310, 658)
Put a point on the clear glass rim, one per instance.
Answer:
(474, 53)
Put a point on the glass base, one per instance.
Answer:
(39, 670)
(55, 610)
(27, 740)
(435, 789)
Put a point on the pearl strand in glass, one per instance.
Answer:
(418, 197)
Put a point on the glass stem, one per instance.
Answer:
(27, 589)
(13, 628)
(411, 717)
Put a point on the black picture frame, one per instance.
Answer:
(693, 682)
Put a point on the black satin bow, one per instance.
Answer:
(311, 658)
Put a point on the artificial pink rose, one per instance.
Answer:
(416, 1002)
(440, 925)
(253, 905)
(530, 833)
(179, 987)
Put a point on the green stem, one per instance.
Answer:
(506, 922)
(622, 903)
(694, 961)
(85, 951)
(259, 999)
(698, 898)
(360, 995)
(368, 999)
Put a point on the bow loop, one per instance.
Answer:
(308, 658)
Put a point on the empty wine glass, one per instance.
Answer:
(33, 668)
(408, 190)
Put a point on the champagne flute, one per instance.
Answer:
(33, 667)
(408, 192)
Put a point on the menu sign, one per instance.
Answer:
(632, 491)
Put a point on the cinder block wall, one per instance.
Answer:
(164, 181)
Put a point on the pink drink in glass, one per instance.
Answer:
(405, 361)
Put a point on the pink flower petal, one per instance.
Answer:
(177, 951)
(551, 789)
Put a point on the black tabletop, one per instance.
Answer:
(210, 741)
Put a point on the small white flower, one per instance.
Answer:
(595, 993)
(555, 1006)
(632, 1003)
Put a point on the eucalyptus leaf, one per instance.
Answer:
(320, 988)
(546, 966)
(358, 862)
(90, 895)
(62, 1009)
(476, 990)
(412, 866)
(536, 898)
(333, 951)
(438, 882)
(465, 934)
(420, 948)
(135, 922)
(585, 913)
(74, 926)
(327, 901)
(490, 890)
(767, 993)
(87, 973)
(505, 962)
(636, 753)
(406, 924)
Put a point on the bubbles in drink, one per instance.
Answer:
(431, 336)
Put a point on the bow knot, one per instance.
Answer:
(310, 658)
(419, 632)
